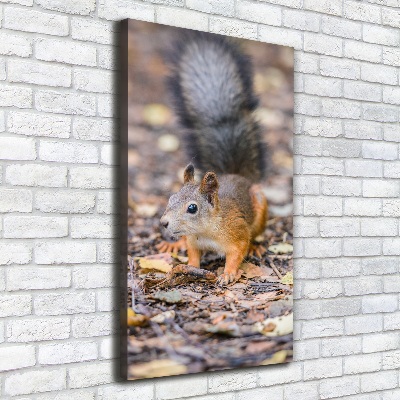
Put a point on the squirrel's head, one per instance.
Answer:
(189, 210)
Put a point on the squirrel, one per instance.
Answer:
(212, 91)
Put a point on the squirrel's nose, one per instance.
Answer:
(164, 222)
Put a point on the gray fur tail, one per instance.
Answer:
(212, 89)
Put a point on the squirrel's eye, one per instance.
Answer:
(192, 208)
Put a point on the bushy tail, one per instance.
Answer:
(212, 87)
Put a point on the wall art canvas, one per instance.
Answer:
(206, 176)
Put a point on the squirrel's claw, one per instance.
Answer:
(171, 247)
(226, 278)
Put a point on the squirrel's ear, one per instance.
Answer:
(188, 174)
(209, 187)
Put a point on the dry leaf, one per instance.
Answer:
(225, 328)
(136, 319)
(280, 326)
(162, 317)
(173, 296)
(277, 358)
(281, 248)
(250, 270)
(287, 279)
(160, 262)
(156, 114)
(157, 368)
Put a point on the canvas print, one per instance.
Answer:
(207, 132)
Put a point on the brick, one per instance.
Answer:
(391, 207)
(355, 325)
(301, 20)
(362, 130)
(15, 96)
(324, 327)
(340, 108)
(343, 346)
(65, 51)
(33, 330)
(380, 342)
(322, 44)
(305, 227)
(306, 391)
(22, 19)
(106, 106)
(391, 132)
(322, 127)
(322, 289)
(106, 253)
(324, 6)
(275, 393)
(93, 31)
(105, 300)
(281, 36)
(362, 286)
(141, 390)
(378, 381)
(36, 175)
(362, 91)
(107, 350)
(307, 269)
(391, 95)
(66, 252)
(362, 51)
(82, 7)
(290, 373)
(228, 27)
(90, 375)
(107, 58)
(307, 105)
(65, 201)
(17, 357)
(362, 11)
(307, 63)
(322, 248)
(333, 186)
(261, 13)
(323, 166)
(100, 324)
(220, 7)
(92, 177)
(342, 148)
(380, 35)
(379, 227)
(15, 305)
(307, 349)
(307, 145)
(391, 17)
(321, 86)
(75, 394)
(181, 387)
(35, 227)
(379, 73)
(67, 352)
(65, 103)
(324, 206)
(106, 203)
(362, 363)
(68, 152)
(29, 278)
(340, 68)
(340, 307)
(306, 185)
(362, 207)
(35, 381)
(379, 303)
(361, 247)
(31, 124)
(339, 227)
(391, 246)
(306, 309)
(381, 188)
(93, 227)
(379, 266)
(318, 369)
(339, 387)
(340, 267)
(19, 200)
(391, 321)
(119, 9)
(341, 27)
(15, 253)
(12, 148)
(22, 2)
(13, 45)
(64, 303)
(110, 154)
(93, 81)
(38, 73)
(182, 18)
(391, 56)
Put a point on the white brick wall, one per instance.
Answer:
(57, 260)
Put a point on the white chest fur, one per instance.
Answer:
(209, 244)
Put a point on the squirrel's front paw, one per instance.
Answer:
(171, 247)
(228, 277)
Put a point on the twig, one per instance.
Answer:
(275, 269)
(192, 271)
